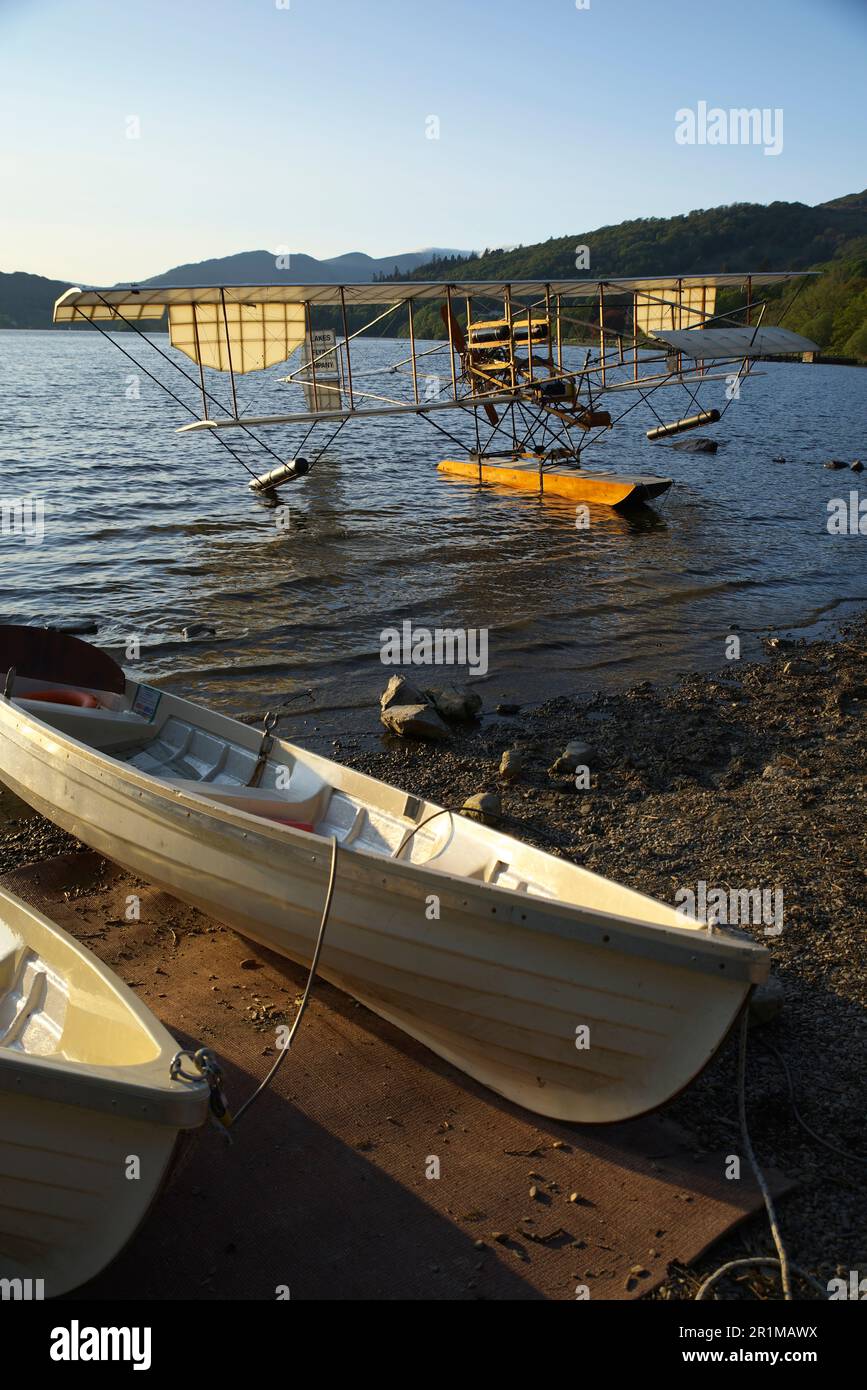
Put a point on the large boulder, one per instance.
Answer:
(576, 754)
(453, 703)
(414, 721)
(767, 1001)
(512, 764)
(400, 692)
(483, 806)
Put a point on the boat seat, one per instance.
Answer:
(197, 761)
(23, 999)
(181, 751)
(305, 799)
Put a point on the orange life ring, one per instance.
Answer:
(80, 698)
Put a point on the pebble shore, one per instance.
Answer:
(752, 776)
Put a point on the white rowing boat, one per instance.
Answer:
(89, 1114)
(495, 955)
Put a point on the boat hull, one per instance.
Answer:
(89, 1112)
(576, 1015)
(607, 489)
(67, 1207)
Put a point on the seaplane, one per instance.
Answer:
(535, 373)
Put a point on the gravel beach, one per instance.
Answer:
(752, 777)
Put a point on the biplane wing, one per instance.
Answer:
(708, 343)
(151, 301)
(247, 328)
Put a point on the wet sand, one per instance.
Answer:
(328, 1187)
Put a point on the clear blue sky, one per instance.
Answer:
(304, 127)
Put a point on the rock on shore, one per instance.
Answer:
(411, 712)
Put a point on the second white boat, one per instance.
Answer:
(90, 1108)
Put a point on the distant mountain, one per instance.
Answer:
(740, 236)
(851, 200)
(296, 268)
(26, 301)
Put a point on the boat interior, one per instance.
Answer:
(73, 1034)
(33, 1000)
(196, 751)
(53, 1003)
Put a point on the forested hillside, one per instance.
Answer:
(831, 237)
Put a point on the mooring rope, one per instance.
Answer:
(206, 1063)
(759, 1262)
(326, 910)
(782, 1260)
(835, 1149)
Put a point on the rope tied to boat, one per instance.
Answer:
(781, 1262)
(311, 975)
(206, 1063)
(414, 829)
(264, 749)
(207, 1067)
(10, 681)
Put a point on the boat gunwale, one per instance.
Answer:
(107, 1092)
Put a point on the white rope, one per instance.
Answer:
(758, 1262)
(782, 1260)
(310, 978)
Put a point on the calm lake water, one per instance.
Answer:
(148, 531)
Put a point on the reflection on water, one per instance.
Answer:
(148, 531)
